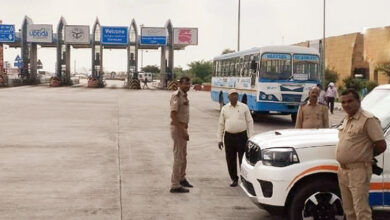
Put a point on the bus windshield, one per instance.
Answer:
(275, 66)
(306, 67)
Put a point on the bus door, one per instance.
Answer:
(253, 72)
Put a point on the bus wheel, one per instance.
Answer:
(293, 117)
(220, 102)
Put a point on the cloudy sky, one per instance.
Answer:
(263, 22)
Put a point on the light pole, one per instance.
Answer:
(323, 51)
(238, 37)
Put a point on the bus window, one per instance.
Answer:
(240, 66)
(233, 67)
(246, 65)
(215, 68)
(223, 63)
(306, 67)
(275, 66)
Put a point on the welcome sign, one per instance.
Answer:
(39, 33)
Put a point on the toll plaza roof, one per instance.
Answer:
(18, 40)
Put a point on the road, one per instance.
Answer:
(79, 153)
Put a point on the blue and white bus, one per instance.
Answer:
(270, 80)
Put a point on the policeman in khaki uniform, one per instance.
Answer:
(312, 114)
(360, 139)
(180, 117)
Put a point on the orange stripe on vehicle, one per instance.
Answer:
(380, 186)
(317, 168)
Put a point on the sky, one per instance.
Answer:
(263, 23)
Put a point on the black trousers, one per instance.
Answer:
(235, 145)
(331, 104)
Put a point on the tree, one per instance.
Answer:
(178, 72)
(151, 69)
(201, 71)
(331, 76)
(227, 50)
(385, 69)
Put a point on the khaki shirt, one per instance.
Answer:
(312, 116)
(357, 135)
(235, 119)
(180, 104)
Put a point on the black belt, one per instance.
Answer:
(238, 133)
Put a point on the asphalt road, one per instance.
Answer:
(79, 153)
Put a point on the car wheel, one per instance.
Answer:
(316, 200)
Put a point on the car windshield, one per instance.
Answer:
(275, 66)
(378, 103)
(306, 67)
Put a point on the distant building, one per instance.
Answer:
(357, 54)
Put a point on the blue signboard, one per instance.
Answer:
(7, 33)
(18, 62)
(276, 56)
(114, 35)
(154, 40)
(306, 57)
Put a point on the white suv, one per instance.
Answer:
(294, 171)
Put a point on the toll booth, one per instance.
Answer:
(96, 79)
(62, 72)
(167, 38)
(132, 81)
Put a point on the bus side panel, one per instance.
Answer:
(215, 95)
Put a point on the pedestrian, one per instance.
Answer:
(234, 127)
(312, 114)
(360, 139)
(179, 131)
(331, 95)
(322, 96)
(145, 82)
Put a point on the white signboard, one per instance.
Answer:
(153, 31)
(40, 33)
(77, 34)
(185, 36)
(153, 35)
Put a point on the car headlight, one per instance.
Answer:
(279, 157)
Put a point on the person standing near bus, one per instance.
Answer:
(312, 114)
(331, 95)
(360, 139)
(234, 127)
(180, 116)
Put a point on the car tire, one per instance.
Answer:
(316, 200)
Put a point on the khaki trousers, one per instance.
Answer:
(179, 156)
(354, 186)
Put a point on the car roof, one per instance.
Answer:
(386, 86)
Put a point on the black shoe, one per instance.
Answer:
(179, 190)
(185, 183)
(234, 183)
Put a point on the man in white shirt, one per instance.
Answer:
(234, 127)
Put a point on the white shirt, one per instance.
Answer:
(235, 119)
(331, 92)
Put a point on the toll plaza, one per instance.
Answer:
(31, 35)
